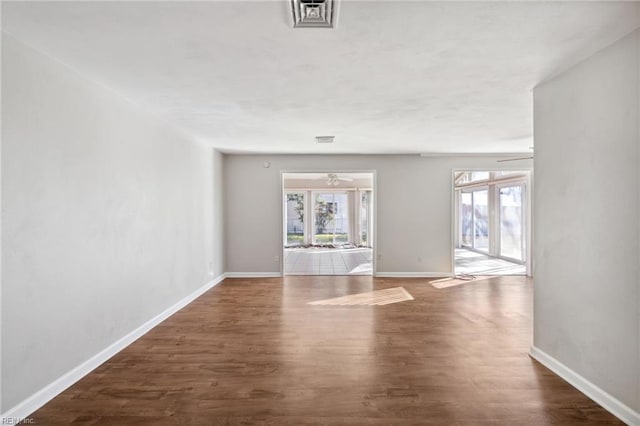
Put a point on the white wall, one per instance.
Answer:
(219, 253)
(413, 217)
(587, 220)
(108, 219)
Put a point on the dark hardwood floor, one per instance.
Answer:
(251, 351)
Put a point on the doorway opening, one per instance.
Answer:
(328, 222)
(492, 222)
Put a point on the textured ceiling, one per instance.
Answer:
(393, 77)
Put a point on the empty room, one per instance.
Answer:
(320, 212)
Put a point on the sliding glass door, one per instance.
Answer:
(512, 235)
(474, 215)
(492, 219)
(466, 219)
(481, 220)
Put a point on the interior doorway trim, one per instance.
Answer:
(374, 186)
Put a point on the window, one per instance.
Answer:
(468, 177)
(331, 218)
(295, 218)
(474, 219)
(481, 219)
(466, 216)
(365, 218)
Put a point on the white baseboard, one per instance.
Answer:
(377, 274)
(253, 275)
(412, 274)
(608, 402)
(46, 394)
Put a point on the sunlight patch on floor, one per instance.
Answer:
(452, 282)
(378, 297)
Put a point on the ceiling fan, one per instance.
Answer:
(334, 180)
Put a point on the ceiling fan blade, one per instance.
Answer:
(514, 159)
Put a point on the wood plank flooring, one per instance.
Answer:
(252, 351)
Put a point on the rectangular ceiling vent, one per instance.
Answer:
(324, 139)
(313, 13)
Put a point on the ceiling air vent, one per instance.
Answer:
(324, 139)
(313, 13)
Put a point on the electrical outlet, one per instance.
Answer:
(276, 258)
(419, 259)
